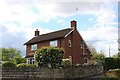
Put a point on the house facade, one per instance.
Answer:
(69, 39)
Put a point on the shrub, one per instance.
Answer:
(25, 65)
(8, 64)
(112, 63)
(77, 65)
(115, 73)
(91, 62)
(49, 57)
(0, 65)
(66, 62)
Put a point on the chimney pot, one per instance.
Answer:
(36, 33)
(74, 24)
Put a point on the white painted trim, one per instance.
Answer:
(70, 32)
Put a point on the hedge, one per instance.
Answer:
(112, 63)
(114, 73)
(26, 65)
(49, 57)
(8, 64)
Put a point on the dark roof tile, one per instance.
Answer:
(49, 36)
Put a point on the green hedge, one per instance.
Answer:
(49, 57)
(66, 62)
(112, 63)
(8, 64)
(25, 65)
(114, 73)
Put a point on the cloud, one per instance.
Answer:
(106, 15)
(17, 17)
(48, 1)
(104, 32)
(25, 12)
(102, 37)
(14, 36)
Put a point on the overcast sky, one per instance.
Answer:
(97, 22)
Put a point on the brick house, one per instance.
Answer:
(69, 39)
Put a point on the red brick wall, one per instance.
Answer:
(43, 44)
(75, 50)
(39, 45)
(68, 50)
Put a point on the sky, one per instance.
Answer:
(97, 21)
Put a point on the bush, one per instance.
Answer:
(112, 63)
(91, 62)
(25, 65)
(114, 73)
(66, 62)
(8, 64)
(49, 57)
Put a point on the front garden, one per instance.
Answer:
(52, 58)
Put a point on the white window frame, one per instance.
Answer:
(85, 60)
(33, 47)
(54, 43)
(69, 43)
(29, 60)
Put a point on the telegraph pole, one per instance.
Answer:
(109, 51)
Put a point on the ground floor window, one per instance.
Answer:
(30, 60)
(85, 60)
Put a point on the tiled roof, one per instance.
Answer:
(50, 36)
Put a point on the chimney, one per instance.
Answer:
(74, 24)
(36, 33)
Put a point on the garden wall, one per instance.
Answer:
(68, 72)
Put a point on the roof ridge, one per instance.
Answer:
(55, 31)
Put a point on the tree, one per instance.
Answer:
(97, 56)
(11, 54)
(115, 56)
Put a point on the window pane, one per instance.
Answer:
(53, 43)
(69, 43)
(30, 60)
(85, 60)
(34, 47)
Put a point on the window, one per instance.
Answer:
(30, 60)
(69, 43)
(34, 47)
(53, 43)
(83, 47)
(85, 60)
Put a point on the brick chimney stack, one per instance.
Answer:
(36, 33)
(74, 24)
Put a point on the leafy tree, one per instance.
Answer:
(11, 54)
(97, 56)
(115, 56)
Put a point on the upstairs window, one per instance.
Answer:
(34, 47)
(69, 43)
(53, 43)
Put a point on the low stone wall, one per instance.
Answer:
(68, 72)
